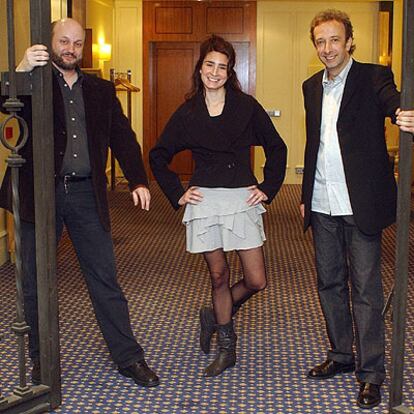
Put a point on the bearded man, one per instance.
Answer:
(88, 120)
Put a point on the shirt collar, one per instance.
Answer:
(339, 78)
(59, 74)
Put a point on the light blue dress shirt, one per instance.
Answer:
(330, 192)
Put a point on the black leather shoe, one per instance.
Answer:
(369, 395)
(329, 369)
(141, 374)
(36, 380)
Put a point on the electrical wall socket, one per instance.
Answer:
(274, 113)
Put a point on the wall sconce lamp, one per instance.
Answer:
(104, 51)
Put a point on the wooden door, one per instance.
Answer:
(173, 32)
(172, 64)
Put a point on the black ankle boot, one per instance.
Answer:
(207, 328)
(226, 357)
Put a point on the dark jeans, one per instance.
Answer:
(76, 209)
(348, 264)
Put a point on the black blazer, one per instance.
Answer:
(220, 146)
(369, 96)
(107, 127)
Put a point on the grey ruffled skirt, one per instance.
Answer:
(223, 220)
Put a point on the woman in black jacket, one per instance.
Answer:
(223, 210)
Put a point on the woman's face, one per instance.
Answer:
(214, 70)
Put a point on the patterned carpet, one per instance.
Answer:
(281, 331)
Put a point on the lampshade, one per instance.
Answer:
(104, 51)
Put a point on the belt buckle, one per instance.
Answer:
(65, 183)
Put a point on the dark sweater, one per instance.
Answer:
(220, 146)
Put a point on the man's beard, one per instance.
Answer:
(58, 61)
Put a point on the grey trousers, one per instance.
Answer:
(348, 264)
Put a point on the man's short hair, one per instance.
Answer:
(329, 15)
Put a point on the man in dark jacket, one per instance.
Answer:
(349, 197)
(88, 120)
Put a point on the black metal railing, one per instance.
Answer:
(13, 105)
(44, 198)
(38, 84)
(403, 221)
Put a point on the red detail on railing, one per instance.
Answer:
(8, 132)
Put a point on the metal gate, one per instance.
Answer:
(396, 405)
(38, 84)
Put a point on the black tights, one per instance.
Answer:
(226, 299)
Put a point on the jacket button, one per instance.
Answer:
(61, 153)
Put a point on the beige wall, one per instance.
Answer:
(397, 40)
(393, 132)
(120, 24)
(128, 53)
(100, 18)
(3, 35)
(58, 9)
(22, 27)
(286, 57)
(22, 30)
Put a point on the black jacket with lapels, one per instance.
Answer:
(107, 127)
(369, 96)
(220, 146)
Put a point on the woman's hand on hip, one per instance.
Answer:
(256, 196)
(191, 196)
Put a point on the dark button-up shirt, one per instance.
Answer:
(76, 157)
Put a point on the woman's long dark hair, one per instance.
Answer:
(214, 44)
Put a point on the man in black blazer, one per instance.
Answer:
(88, 120)
(348, 197)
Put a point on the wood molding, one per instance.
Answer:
(79, 11)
